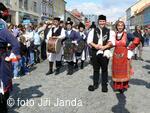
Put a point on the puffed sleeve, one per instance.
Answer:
(90, 36)
(63, 34)
(135, 41)
(112, 37)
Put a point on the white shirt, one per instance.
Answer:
(61, 36)
(82, 34)
(29, 37)
(69, 32)
(91, 36)
(1, 87)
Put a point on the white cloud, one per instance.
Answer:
(112, 13)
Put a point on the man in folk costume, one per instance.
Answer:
(5, 63)
(121, 67)
(55, 32)
(100, 39)
(49, 25)
(81, 39)
(69, 42)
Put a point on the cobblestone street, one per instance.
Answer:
(30, 90)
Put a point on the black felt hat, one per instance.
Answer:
(69, 22)
(57, 18)
(101, 17)
(81, 25)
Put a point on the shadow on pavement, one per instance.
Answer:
(147, 67)
(24, 94)
(120, 107)
(140, 82)
(148, 61)
(79, 66)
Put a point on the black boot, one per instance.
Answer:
(76, 65)
(57, 71)
(3, 102)
(104, 88)
(93, 87)
(50, 68)
(82, 64)
(70, 68)
(58, 65)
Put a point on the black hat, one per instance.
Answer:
(93, 25)
(81, 25)
(3, 11)
(101, 17)
(68, 19)
(57, 18)
(61, 21)
(69, 22)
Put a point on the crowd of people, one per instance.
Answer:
(33, 39)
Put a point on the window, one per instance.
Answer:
(7, 2)
(20, 4)
(35, 6)
(44, 9)
(26, 4)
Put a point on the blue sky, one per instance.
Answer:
(111, 8)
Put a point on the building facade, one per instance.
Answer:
(74, 19)
(137, 14)
(146, 15)
(46, 9)
(23, 11)
(59, 7)
(34, 11)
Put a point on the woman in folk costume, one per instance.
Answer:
(121, 67)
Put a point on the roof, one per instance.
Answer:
(73, 15)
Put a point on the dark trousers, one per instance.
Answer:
(100, 62)
(37, 53)
(70, 65)
(3, 102)
(58, 64)
(43, 50)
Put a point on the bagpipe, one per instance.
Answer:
(69, 49)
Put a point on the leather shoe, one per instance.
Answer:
(57, 71)
(92, 87)
(104, 89)
(49, 72)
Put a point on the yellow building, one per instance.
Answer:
(59, 8)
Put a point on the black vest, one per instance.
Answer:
(105, 35)
(46, 32)
(57, 32)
